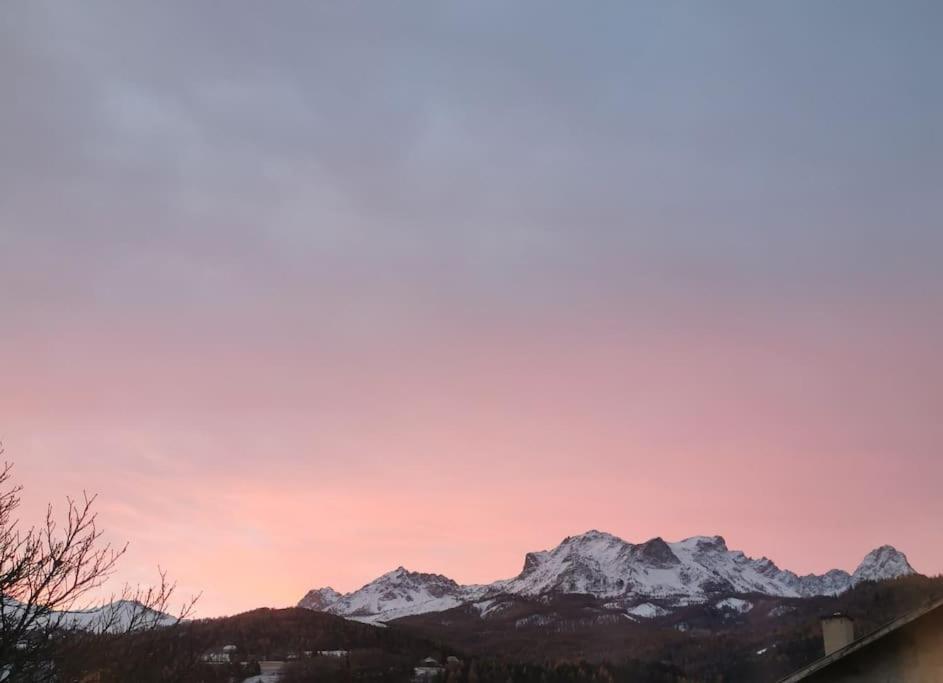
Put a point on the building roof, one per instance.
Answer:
(862, 642)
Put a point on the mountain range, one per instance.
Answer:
(643, 579)
(119, 616)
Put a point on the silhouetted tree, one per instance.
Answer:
(48, 573)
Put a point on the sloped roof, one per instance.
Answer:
(861, 643)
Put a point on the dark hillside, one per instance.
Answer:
(294, 634)
(553, 638)
(703, 642)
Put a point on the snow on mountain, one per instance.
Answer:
(605, 566)
(832, 582)
(734, 605)
(590, 563)
(781, 611)
(491, 606)
(114, 617)
(320, 599)
(648, 611)
(882, 563)
(398, 593)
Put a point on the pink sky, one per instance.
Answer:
(271, 473)
(320, 292)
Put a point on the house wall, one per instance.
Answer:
(912, 653)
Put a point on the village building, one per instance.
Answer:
(907, 649)
(220, 655)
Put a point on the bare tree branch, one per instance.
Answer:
(46, 571)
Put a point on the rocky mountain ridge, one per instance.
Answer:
(606, 567)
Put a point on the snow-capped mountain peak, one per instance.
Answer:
(882, 563)
(397, 593)
(605, 566)
(319, 599)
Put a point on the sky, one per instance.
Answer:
(308, 291)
